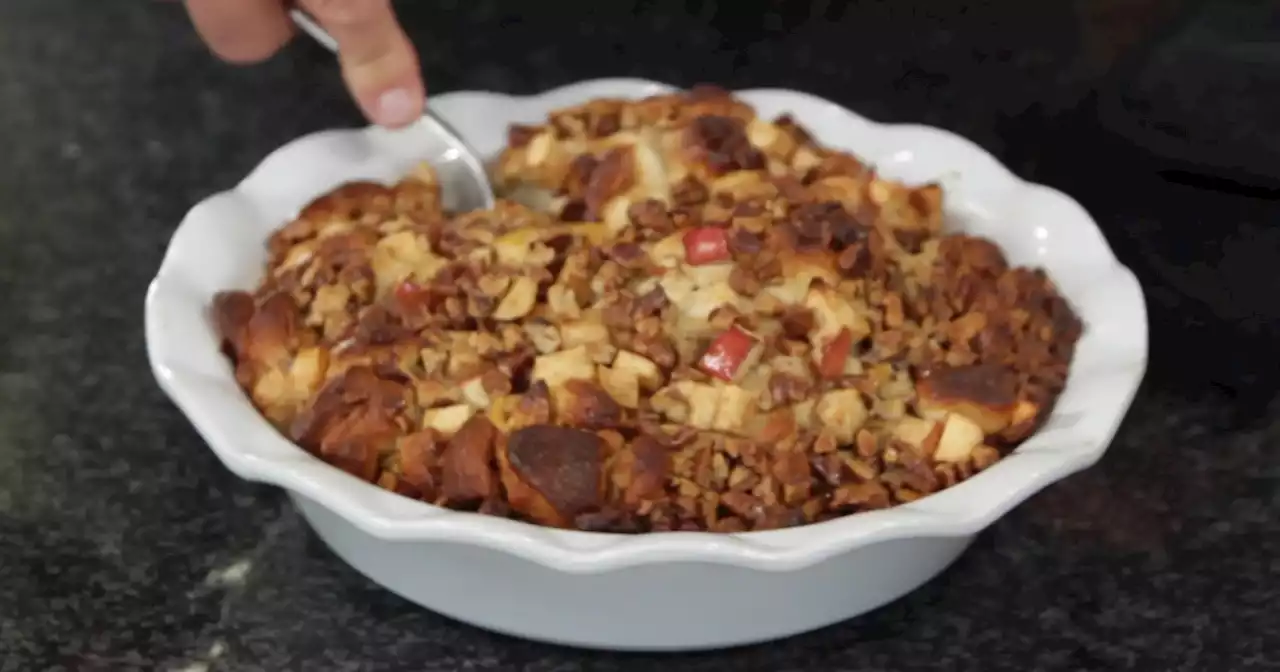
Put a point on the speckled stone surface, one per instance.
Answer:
(125, 545)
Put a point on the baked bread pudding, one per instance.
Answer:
(680, 316)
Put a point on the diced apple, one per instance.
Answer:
(799, 271)
(832, 313)
(544, 336)
(843, 413)
(706, 245)
(513, 247)
(677, 286)
(806, 414)
(702, 302)
(519, 300)
(668, 252)
(500, 410)
(688, 402)
(308, 371)
(584, 332)
(475, 394)
(595, 233)
(558, 368)
(621, 384)
(734, 409)
(562, 302)
(703, 403)
(960, 436)
(1024, 411)
(918, 432)
(616, 213)
(708, 274)
(271, 388)
(728, 357)
(402, 255)
(448, 420)
(644, 370)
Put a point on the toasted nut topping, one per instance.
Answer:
(678, 316)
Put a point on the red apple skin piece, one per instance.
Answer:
(727, 353)
(706, 245)
(409, 294)
(837, 352)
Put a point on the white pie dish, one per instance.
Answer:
(664, 591)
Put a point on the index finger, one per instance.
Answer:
(379, 63)
(241, 31)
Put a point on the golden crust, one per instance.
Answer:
(681, 316)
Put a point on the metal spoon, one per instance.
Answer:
(464, 183)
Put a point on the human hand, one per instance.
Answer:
(379, 63)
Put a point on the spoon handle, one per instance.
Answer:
(317, 32)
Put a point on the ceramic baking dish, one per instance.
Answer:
(662, 591)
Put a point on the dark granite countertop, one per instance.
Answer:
(124, 544)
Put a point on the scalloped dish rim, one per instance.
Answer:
(205, 396)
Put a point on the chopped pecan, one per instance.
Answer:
(651, 217)
(348, 202)
(689, 191)
(627, 255)
(535, 405)
(577, 178)
(231, 314)
(788, 124)
(791, 468)
(378, 326)
(650, 304)
(744, 280)
(706, 91)
(591, 406)
(911, 468)
(861, 496)
(722, 144)
(745, 242)
(786, 388)
(619, 312)
(797, 321)
(608, 520)
(613, 176)
(911, 240)
(819, 225)
(830, 467)
(779, 516)
(650, 465)
(520, 135)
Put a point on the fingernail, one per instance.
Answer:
(396, 107)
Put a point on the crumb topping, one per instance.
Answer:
(680, 316)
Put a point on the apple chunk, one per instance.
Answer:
(960, 436)
(730, 355)
(919, 433)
